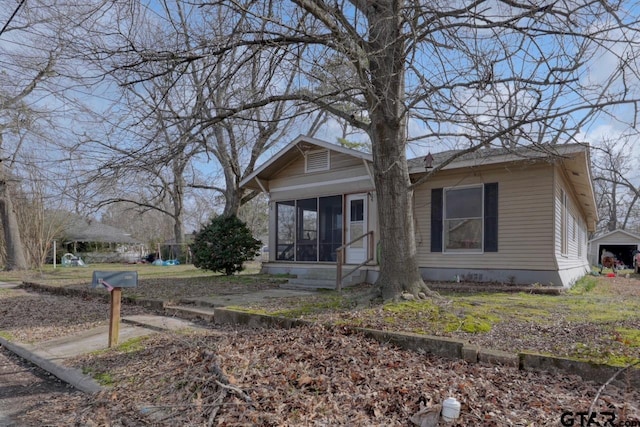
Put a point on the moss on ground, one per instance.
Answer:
(131, 345)
(330, 302)
(628, 337)
(105, 379)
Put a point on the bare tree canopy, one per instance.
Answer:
(413, 74)
(38, 83)
(227, 78)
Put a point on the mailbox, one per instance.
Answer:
(115, 279)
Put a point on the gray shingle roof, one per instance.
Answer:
(536, 151)
(81, 230)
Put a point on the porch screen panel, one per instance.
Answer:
(330, 227)
(307, 230)
(286, 227)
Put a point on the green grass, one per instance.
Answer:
(6, 335)
(83, 275)
(105, 379)
(584, 285)
(131, 345)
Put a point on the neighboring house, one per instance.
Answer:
(489, 216)
(95, 242)
(621, 243)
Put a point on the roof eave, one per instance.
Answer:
(266, 170)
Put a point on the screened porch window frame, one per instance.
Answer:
(321, 246)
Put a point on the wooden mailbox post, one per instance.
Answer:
(114, 281)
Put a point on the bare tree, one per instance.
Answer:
(160, 142)
(617, 193)
(38, 84)
(475, 75)
(15, 116)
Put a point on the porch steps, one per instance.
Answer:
(322, 279)
(190, 312)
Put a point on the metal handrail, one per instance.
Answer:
(340, 260)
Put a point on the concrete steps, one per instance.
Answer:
(190, 312)
(312, 279)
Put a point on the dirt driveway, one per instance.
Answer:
(25, 388)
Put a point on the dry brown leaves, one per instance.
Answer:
(304, 376)
(313, 376)
(30, 317)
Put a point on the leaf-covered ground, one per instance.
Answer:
(312, 376)
(599, 323)
(328, 376)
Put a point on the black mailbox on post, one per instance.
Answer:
(115, 279)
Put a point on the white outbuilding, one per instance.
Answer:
(621, 243)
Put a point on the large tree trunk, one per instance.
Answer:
(12, 239)
(232, 198)
(178, 206)
(399, 270)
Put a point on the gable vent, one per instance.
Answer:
(317, 161)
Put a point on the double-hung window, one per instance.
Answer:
(465, 219)
(462, 225)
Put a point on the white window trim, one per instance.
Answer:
(564, 224)
(444, 219)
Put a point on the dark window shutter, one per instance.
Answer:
(491, 217)
(436, 220)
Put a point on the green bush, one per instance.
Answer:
(224, 245)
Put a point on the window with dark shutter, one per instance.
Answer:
(491, 217)
(449, 226)
(436, 220)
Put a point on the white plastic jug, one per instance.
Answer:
(450, 409)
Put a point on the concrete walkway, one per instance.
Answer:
(50, 355)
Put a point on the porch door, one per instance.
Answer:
(356, 226)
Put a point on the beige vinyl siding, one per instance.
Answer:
(525, 218)
(346, 175)
(337, 161)
(575, 226)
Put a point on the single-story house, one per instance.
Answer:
(621, 243)
(97, 242)
(495, 215)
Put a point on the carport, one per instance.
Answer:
(619, 242)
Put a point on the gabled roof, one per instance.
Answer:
(628, 234)
(289, 153)
(81, 230)
(575, 160)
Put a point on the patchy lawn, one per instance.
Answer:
(598, 320)
(332, 376)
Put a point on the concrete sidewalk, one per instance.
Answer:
(50, 355)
